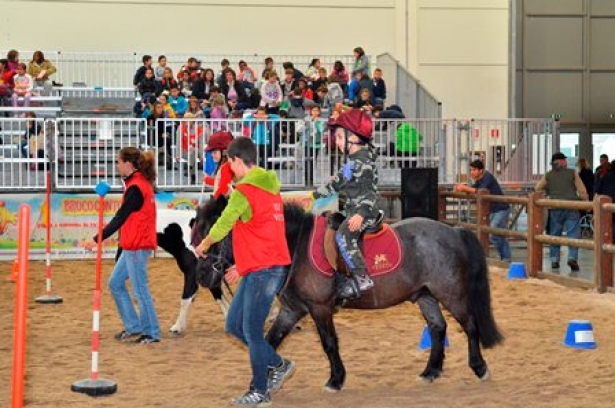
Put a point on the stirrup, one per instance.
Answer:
(365, 282)
(349, 289)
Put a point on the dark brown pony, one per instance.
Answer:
(442, 265)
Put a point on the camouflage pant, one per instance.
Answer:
(348, 244)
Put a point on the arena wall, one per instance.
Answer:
(457, 48)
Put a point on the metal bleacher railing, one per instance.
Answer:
(82, 151)
(115, 70)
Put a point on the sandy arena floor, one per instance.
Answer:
(205, 367)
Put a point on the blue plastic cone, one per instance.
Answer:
(580, 335)
(516, 271)
(425, 342)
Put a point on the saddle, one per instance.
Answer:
(379, 244)
(334, 220)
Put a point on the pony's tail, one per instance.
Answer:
(479, 293)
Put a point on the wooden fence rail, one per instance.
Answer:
(536, 203)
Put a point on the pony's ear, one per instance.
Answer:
(221, 203)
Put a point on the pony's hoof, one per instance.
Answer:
(429, 377)
(486, 376)
(176, 331)
(425, 379)
(331, 389)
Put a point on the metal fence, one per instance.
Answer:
(83, 151)
(24, 153)
(407, 91)
(514, 150)
(117, 69)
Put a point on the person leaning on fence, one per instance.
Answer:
(255, 215)
(136, 221)
(498, 212)
(562, 183)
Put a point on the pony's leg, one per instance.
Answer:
(437, 329)
(323, 317)
(475, 358)
(283, 324)
(188, 294)
(182, 319)
(220, 299)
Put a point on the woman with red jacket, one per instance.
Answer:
(136, 221)
(223, 175)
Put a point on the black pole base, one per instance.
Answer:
(94, 388)
(49, 299)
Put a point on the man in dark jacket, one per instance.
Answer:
(562, 183)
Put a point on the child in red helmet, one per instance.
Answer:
(357, 179)
(223, 175)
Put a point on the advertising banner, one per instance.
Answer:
(74, 220)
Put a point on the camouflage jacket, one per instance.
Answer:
(357, 180)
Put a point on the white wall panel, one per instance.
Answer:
(450, 45)
(463, 36)
(469, 91)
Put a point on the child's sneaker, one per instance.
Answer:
(277, 375)
(146, 339)
(253, 398)
(125, 336)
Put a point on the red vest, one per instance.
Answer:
(261, 242)
(139, 230)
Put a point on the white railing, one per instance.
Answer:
(86, 149)
(83, 151)
(117, 69)
(24, 153)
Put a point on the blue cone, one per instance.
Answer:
(425, 342)
(516, 271)
(580, 335)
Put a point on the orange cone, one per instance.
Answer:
(14, 271)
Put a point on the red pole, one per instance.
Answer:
(48, 237)
(95, 386)
(21, 307)
(48, 297)
(96, 300)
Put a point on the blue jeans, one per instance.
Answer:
(499, 220)
(133, 265)
(560, 221)
(246, 319)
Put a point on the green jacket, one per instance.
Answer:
(407, 139)
(238, 206)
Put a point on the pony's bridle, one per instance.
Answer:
(221, 258)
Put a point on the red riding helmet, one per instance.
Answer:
(355, 121)
(219, 141)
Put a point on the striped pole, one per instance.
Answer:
(48, 297)
(95, 386)
(21, 307)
